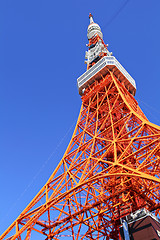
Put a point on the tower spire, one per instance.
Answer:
(91, 18)
(93, 29)
(96, 46)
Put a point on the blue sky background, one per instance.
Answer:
(42, 48)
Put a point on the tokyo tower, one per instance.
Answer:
(111, 168)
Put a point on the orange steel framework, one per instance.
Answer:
(110, 169)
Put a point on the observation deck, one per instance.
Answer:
(101, 68)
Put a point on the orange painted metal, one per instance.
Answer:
(110, 169)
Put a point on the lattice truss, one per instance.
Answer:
(111, 168)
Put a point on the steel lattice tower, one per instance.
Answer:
(111, 166)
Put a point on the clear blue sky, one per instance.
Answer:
(42, 48)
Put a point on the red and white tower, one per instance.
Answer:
(111, 167)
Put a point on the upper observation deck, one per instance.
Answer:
(101, 68)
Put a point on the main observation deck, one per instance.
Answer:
(101, 68)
